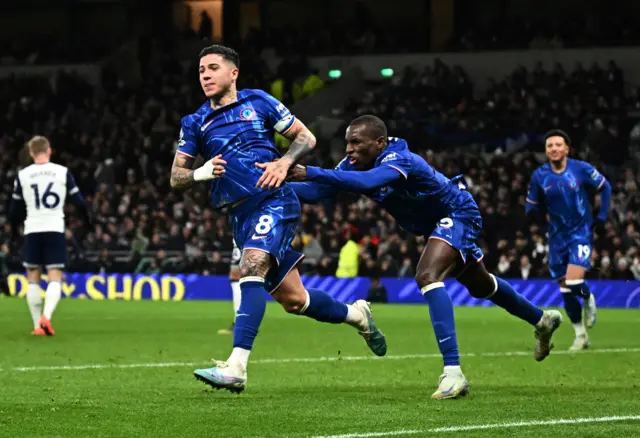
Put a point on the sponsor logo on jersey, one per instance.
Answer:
(392, 156)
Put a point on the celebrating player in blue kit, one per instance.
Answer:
(425, 202)
(561, 188)
(234, 131)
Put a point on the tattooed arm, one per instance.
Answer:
(302, 142)
(182, 177)
(181, 173)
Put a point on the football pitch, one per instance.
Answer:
(124, 369)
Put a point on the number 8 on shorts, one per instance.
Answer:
(264, 224)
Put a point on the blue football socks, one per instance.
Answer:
(442, 319)
(514, 303)
(572, 305)
(249, 317)
(322, 307)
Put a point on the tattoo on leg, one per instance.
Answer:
(254, 263)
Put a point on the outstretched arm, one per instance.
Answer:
(313, 192)
(353, 180)
(302, 142)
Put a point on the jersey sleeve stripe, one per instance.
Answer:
(531, 202)
(184, 153)
(601, 183)
(398, 169)
(283, 125)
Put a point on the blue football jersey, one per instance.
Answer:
(243, 132)
(423, 196)
(565, 197)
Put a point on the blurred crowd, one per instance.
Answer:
(119, 142)
(438, 108)
(614, 27)
(359, 31)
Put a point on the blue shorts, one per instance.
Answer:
(268, 222)
(45, 249)
(462, 233)
(576, 252)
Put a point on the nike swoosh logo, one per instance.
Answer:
(449, 390)
(445, 339)
(254, 237)
(241, 314)
(206, 125)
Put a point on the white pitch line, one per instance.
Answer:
(560, 421)
(374, 434)
(306, 360)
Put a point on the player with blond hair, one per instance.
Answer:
(39, 194)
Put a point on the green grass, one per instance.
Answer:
(302, 399)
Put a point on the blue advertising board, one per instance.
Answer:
(129, 287)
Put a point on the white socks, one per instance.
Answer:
(578, 327)
(237, 296)
(356, 318)
(34, 300)
(240, 356)
(453, 369)
(54, 291)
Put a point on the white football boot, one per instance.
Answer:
(590, 311)
(452, 384)
(550, 321)
(580, 343)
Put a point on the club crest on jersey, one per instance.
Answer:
(573, 184)
(247, 114)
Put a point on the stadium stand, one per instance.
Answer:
(119, 142)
